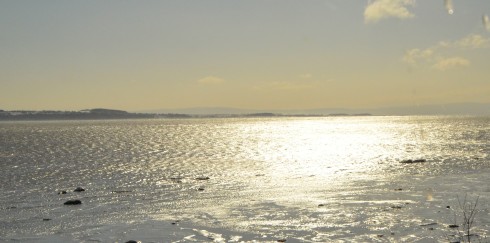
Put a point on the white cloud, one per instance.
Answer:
(434, 56)
(211, 80)
(381, 9)
(473, 42)
(449, 63)
(415, 55)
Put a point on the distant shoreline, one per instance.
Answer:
(100, 114)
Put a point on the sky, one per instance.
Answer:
(249, 54)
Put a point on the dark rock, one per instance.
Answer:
(409, 161)
(321, 205)
(281, 240)
(79, 189)
(398, 189)
(429, 224)
(131, 241)
(448, 206)
(73, 202)
(453, 226)
(200, 189)
(62, 192)
(380, 236)
(176, 179)
(396, 207)
(46, 219)
(202, 178)
(175, 222)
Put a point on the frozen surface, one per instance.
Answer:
(234, 180)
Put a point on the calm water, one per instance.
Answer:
(267, 175)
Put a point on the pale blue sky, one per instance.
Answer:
(268, 54)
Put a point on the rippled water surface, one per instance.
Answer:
(267, 177)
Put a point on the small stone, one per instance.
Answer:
(431, 228)
(202, 178)
(396, 207)
(409, 161)
(448, 206)
(46, 219)
(73, 202)
(321, 205)
(62, 192)
(131, 241)
(281, 240)
(429, 224)
(380, 236)
(398, 189)
(453, 226)
(200, 189)
(79, 189)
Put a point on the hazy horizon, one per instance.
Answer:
(259, 55)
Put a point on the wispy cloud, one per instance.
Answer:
(473, 42)
(211, 80)
(449, 63)
(434, 55)
(377, 10)
(415, 55)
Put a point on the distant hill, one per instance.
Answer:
(71, 115)
(443, 109)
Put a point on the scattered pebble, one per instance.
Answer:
(380, 236)
(396, 207)
(73, 202)
(62, 192)
(202, 178)
(281, 240)
(398, 189)
(429, 224)
(321, 205)
(453, 226)
(175, 222)
(448, 206)
(132, 241)
(46, 219)
(79, 189)
(409, 161)
(200, 189)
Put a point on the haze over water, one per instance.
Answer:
(264, 179)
